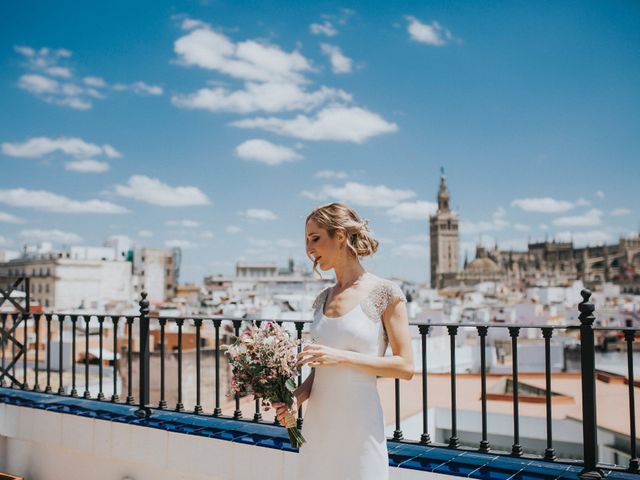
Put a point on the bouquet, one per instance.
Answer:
(264, 360)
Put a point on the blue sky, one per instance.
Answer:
(218, 126)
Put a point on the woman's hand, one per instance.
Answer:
(281, 409)
(316, 355)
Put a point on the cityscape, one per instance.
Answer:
(158, 164)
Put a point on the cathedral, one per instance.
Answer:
(543, 263)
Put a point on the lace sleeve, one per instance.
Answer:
(319, 301)
(381, 297)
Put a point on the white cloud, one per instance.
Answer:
(340, 175)
(362, 195)
(247, 60)
(232, 229)
(543, 205)
(59, 72)
(183, 244)
(431, 34)
(40, 146)
(51, 202)
(419, 210)
(88, 165)
(183, 223)
(38, 84)
(337, 123)
(473, 228)
(57, 236)
(206, 234)
(324, 28)
(45, 66)
(259, 214)
(496, 223)
(8, 218)
(600, 194)
(340, 63)
(410, 250)
(4, 241)
(582, 202)
(139, 88)
(266, 152)
(521, 227)
(500, 212)
(594, 237)
(145, 233)
(155, 192)
(269, 97)
(591, 218)
(94, 81)
(619, 212)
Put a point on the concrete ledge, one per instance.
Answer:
(37, 428)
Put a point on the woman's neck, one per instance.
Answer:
(349, 274)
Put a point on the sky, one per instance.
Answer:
(217, 126)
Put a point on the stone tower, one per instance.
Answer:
(445, 241)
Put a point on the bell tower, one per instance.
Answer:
(445, 240)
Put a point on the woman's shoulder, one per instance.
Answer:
(387, 288)
(384, 293)
(320, 298)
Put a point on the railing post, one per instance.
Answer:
(144, 411)
(588, 362)
(634, 462)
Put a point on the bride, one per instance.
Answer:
(354, 320)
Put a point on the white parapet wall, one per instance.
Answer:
(43, 445)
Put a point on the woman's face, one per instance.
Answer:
(320, 246)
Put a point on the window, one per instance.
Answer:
(46, 288)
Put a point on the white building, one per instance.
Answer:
(60, 282)
(157, 271)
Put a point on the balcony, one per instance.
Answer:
(141, 413)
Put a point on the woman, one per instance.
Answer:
(353, 322)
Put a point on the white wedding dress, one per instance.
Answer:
(343, 422)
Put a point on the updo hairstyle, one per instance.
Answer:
(332, 216)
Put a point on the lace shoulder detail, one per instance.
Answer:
(382, 295)
(320, 299)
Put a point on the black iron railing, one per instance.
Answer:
(11, 322)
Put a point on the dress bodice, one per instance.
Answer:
(361, 329)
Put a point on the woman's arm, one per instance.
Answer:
(400, 365)
(303, 392)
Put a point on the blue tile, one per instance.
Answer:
(443, 454)
(488, 472)
(410, 450)
(455, 468)
(228, 435)
(487, 456)
(624, 475)
(525, 475)
(510, 463)
(421, 463)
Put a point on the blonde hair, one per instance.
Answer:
(332, 216)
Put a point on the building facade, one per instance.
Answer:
(445, 240)
(542, 263)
